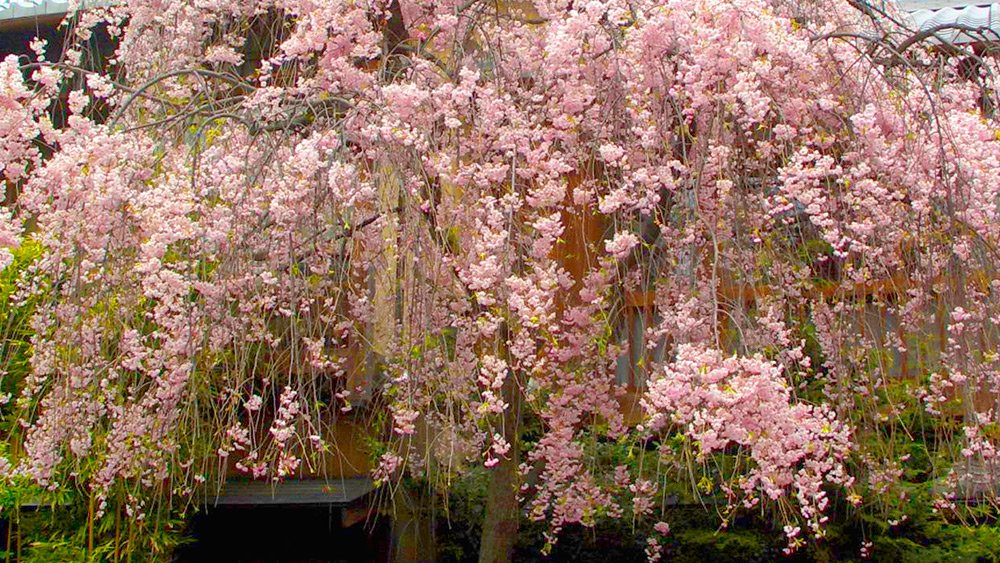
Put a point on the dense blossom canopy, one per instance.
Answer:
(254, 202)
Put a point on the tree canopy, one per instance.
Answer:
(255, 217)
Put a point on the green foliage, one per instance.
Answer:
(459, 518)
(701, 544)
(51, 526)
(938, 541)
(14, 329)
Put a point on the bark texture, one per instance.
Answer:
(502, 511)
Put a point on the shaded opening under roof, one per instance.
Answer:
(315, 520)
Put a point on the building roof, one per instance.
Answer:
(333, 492)
(20, 9)
(955, 21)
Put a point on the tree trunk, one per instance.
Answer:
(500, 526)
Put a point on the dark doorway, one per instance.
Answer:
(284, 533)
